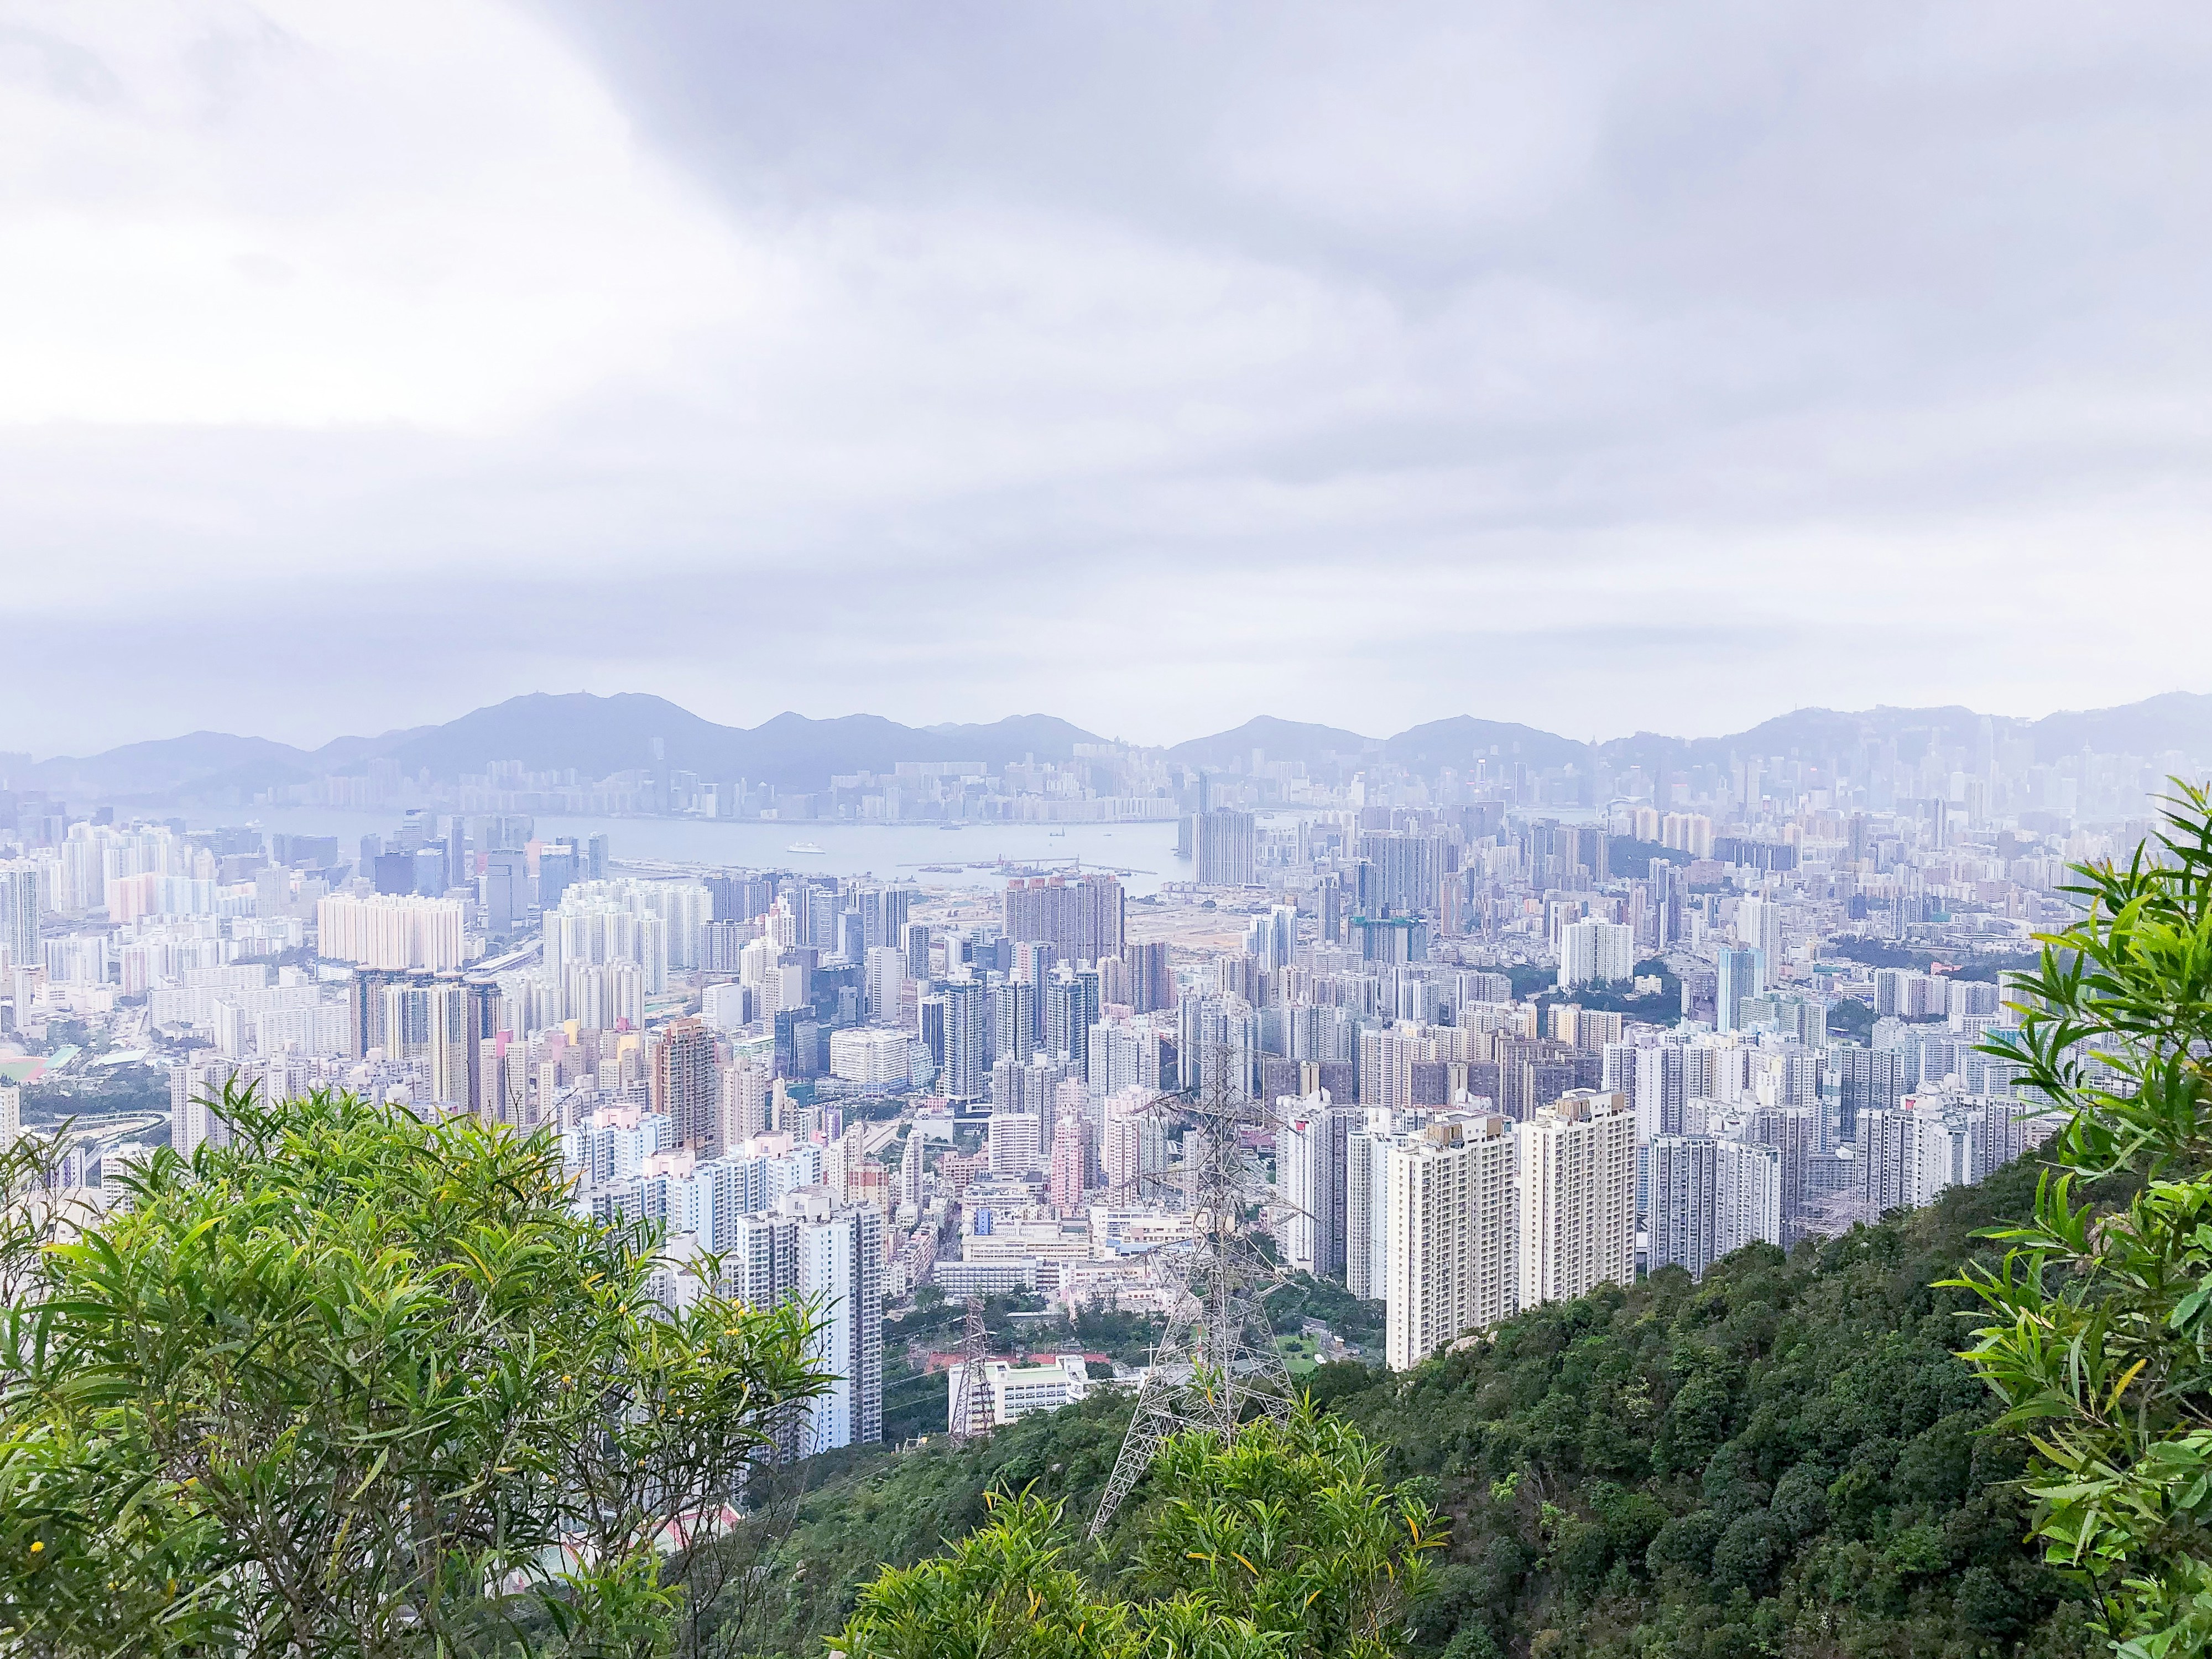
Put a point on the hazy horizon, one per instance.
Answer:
(39, 756)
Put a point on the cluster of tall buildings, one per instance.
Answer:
(1457, 1218)
(1529, 1029)
(786, 1218)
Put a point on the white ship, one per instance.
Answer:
(806, 847)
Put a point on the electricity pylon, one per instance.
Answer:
(971, 1407)
(1217, 1361)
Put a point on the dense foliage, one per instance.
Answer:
(1300, 1297)
(1285, 1543)
(102, 1091)
(914, 1397)
(362, 1384)
(869, 1508)
(1852, 1020)
(2101, 1342)
(1787, 1458)
(1886, 953)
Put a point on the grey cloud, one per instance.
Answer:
(1157, 365)
(60, 66)
(1825, 157)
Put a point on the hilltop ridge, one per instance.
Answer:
(597, 736)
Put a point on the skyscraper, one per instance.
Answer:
(1793, 1132)
(1273, 938)
(1659, 1092)
(1151, 979)
(1216, 1038)
(839, 1260)
(1741, 974)
(433, 871)
(556, 872)
(1013, 1021)
(486, 1091)
(1867, 1079)
(1758, 926)
(886, 984)
(1071, 1161)
(1071, 1009)
(1016, 1140)
(503, 832)
(1034, 960)
(967, 1074)
(687, 1085)
(1222, 849)
(1577, 1167)
(1080, 917)
(1684, 1231)
(1399, 874)
(1310, 1155)
(908, 1188)
(1449, 1255)
(1747, 1195)
(915, 939)
(195, 1089)
(1595, 951)
(440, 1021)
(761, 1259)
(1387, 939)
(1366, 1208)
(745, 1099)
(1329, 911)
(389, 931)
(884, 910)
(507, 892)
(22, 904)
(1133, 1149)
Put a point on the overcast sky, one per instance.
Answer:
(1157, 366)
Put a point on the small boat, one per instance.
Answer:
(806, 847)
(1061, 833)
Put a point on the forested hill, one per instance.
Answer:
(1786, 1459)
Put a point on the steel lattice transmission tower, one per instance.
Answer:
(971, 1408)
(1217, 1363)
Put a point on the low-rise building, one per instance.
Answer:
(1018, 1390)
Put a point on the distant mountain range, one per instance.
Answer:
(549, 732)
(597, 736)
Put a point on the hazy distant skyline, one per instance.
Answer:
(1154, 367)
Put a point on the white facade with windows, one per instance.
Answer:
(1595, 951)
(1578, 1165)
(1449, 1255)
(873, 1057)
(1018, 1390)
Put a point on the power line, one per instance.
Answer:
(970, 1413)
(1217, 1363)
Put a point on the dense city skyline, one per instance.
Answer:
(1347, 792)
(1500, 1017)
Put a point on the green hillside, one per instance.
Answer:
(1786, 1459)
